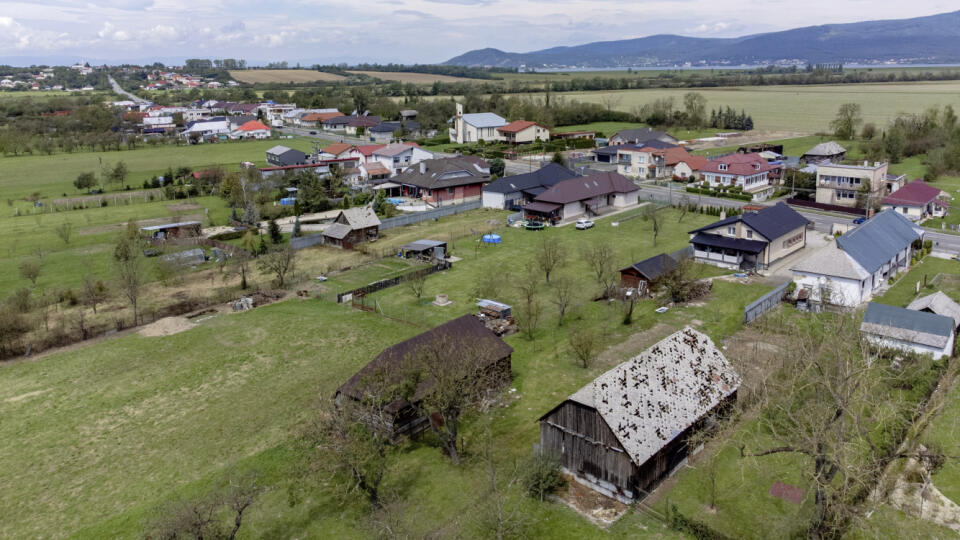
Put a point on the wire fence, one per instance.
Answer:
(417, 217)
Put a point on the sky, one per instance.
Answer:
(401, 31)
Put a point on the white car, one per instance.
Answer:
(584, 224)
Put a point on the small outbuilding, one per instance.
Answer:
(424, 249)
(908, 330)
(627, 430)
(939, 304)
(351, 227)
(182, 229)
(644, 274)
(466, 338)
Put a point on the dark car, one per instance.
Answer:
(860, 221)
(313, 132)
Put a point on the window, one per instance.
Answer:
(793, 240)
(731, 230)
(723, 166)
(641, 159)
(626, 169)
(749, 234)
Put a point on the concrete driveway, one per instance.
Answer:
(780, 270)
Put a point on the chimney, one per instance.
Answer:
(866, 163)
(876, 163)
(423, 168)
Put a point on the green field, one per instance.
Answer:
(798, 108)
(100, 436)
(904, 291)
(52, 176)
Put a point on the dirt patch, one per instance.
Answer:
(598, 508)
(634, 344)
(751, 137)
(183, 207)
(166, 326)
(22, 397)
(117, 227)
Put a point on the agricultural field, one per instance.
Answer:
(797, 108)
(280, 76)
(413, 78)
(52, 176)
(122, 435)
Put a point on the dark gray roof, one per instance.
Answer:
(725, 242)
(652, 143)
(641, 135)
(443, 173)
(771, 222)
(390, 127)
(654, 267)
(422, 245)
(877, 241)
(582, 188)
(543, 177)
(907, 324)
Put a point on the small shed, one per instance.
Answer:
(182, 229)
(353, 226)
(627, 430)
(190, 257)
(938, 303)
(467, 340)
(646, 273)
(424, 249)
(909, 330)
(492, 309)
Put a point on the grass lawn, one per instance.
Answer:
(52, 176)
(904, 291)
(610, 128)
(795, 146)
(100, 436)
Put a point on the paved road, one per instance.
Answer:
(124, 93)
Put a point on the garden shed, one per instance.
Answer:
(424, 249)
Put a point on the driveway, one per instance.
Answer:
(780, 270)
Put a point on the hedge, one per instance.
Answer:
(725, 195)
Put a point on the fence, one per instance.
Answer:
(827, 207)
(410, 219)
(391, 282)
(302, 242)
(765, 303)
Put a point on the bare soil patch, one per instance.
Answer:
(751, 137)
(166, 326)
(415, 78)
(117, 227)
(598, 508)
(254, 76)
(22, 397)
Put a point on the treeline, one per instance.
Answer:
(730, 119)
(934, 132)
(435, 69)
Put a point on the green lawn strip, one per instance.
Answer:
(904, 291)
(889, 523)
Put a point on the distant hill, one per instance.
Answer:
(932, 39)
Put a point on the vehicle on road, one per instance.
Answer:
(859, 221)
(584, 224)
(313, 132)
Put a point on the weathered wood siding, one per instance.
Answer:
(580, 437)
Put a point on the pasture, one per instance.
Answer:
(293, 76)
(413, 78)
(102, 435)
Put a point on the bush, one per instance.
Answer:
(542, 475)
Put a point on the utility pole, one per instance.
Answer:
(100, 159)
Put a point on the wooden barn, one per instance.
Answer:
(643, 275)
(628, 429)
(351, 227)
(465, 338)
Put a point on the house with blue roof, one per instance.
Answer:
(908, 330)
(474, 127)
(860, 263)
(751, 241)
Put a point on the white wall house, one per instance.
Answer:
(908, 330)
(467, 128)
(748, 171)
(397, 157)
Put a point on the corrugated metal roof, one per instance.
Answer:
(826, 149)
(484, 120)
(907, 325)
(830, 261)
(877, 241)
(938, 303)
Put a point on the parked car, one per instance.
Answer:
(859, 221)
(584, 224)
(313, 132)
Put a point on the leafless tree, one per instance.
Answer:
(240, 266)
(824, 405)
(530, 313)
(584, 343)
(563, 290)
(279, 261)
(684, 204)
(128, 261)
(600, 257)
(94, 292)
(610, 101)
(650, 214)
(13, 326)
(682, 283)
(64, 231)
(30, 270)
(444, 379)
(417, 284)
(551, 255)
(205, 517)
(491, 281)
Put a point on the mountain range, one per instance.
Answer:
(933, 39)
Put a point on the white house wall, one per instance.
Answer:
(844, 292)
(893, 343)
(494, 200)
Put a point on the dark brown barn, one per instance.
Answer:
(646, 273)
(353, 226)
(466, 333)
(628, 429)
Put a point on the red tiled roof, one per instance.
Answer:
(336, 148)
(376, 168)
(916, 193)
(319, 117)
(368, 149)
(517, 126)
(738, 165)
(253, 125)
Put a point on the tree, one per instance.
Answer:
(94, 292)
(847, 121)
(296, 228)
(682, 283)
(13, 326)
(499, 513)
(118, 175)
(529, 318)
(240, 264)
(205, 517)
(695, 109)
(550, 255)
(274, 231)
(650, 214)
(584, 343)
(824, 406)
(417, 282)
(563, 289)
(128, 262)
(85, 181)
(559, 159)
(497, 167)
(30, 270)
(456, 380)
(279, 261)
(64, 231)
(599, 256)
